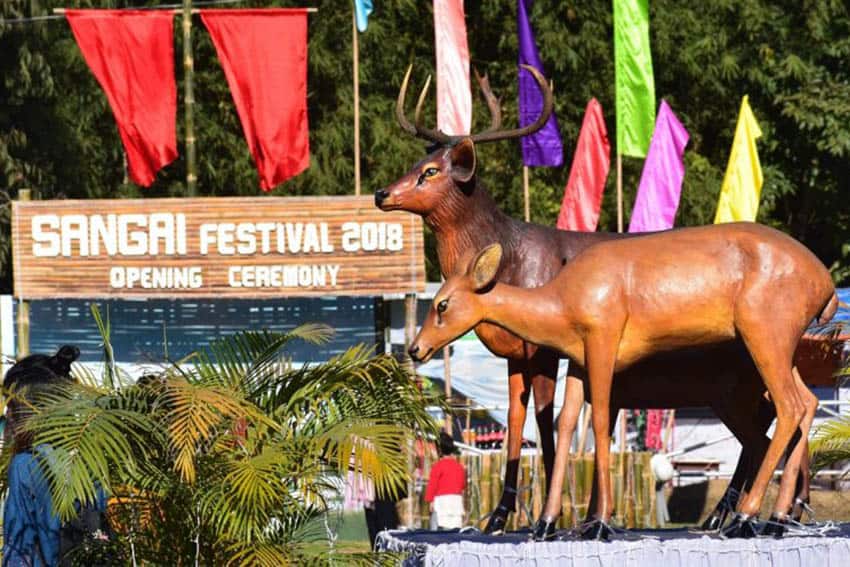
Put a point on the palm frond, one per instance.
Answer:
(88, 439)
(831, 443)
(239, 360)
(196, 413)
(110, 376)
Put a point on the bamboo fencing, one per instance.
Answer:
(634, 490)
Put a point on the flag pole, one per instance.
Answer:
(525, 193)
(622, 417)
(356, 72)
(189, 102)
(619, 192)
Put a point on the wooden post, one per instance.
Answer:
(189, 101)
(23, 304)
(447, 378)
(525, 193)
(355, 48)
(409, 334)
(409, 327)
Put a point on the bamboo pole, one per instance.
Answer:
(23, 304)
(525, 193)
(619, 193)
(666, 444)
(189, 102)
(180, 10)
(585, 427)
(355, 49)
(484, 482)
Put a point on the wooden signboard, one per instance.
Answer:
(214, 247)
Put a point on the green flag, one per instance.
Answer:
(634, 83)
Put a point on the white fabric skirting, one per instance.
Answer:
(649, 551)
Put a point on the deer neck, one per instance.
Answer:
(538, 315)
(466, 222)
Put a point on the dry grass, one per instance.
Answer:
(689, 505)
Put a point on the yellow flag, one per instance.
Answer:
(739, 195)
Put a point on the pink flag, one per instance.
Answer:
(454, 99)
(583, 194)
(663, 171)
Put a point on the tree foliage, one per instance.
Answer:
(57, 135)
(230, 456)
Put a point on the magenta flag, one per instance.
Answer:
(663, 171)
(454, 99)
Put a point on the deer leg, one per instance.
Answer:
(594, 486)
(544, 377)
(772, 356)
(730, 412)
(519, 383)
(573, 399)
(735, 409)
(797, 454)
(600, 352)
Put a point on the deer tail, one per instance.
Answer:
(829, 311)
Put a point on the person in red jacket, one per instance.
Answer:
(445, 487)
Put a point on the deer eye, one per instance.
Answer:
(430, 172)
(442, 306)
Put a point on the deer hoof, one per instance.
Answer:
(742, 526)
(498, 520)
(596, 530)
(716, 520)
(776, 526)
(801, 505)
(544, 529)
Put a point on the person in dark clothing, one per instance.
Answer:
(32, 532)
(382, 513)
(30, 527)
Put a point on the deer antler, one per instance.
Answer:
(490, 134)
(418, 129)
(548, 105)
(493, 103)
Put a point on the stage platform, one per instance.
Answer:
(632, 548)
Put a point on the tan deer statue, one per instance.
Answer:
(622, 301)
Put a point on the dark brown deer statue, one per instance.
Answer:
(623, 301)
(445, 189)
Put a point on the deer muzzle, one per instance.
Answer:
(420, 354)
(380, 196)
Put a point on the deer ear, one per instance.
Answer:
(485, 266)
(463, 160)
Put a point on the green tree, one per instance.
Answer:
(57, 135)
(230, 455)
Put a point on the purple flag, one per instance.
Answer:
(542, 148)
(663, 171)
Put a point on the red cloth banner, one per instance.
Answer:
(583, 193)
(131, 54)
(264, 56)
